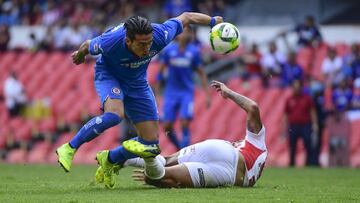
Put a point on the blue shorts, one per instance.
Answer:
(139, 106)
(182, 104)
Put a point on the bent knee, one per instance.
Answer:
(115, 106)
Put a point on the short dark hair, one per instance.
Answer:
(137, 25)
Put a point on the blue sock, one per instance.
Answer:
(120, 154)
(94, 127)
(172, 136)
(185, 137)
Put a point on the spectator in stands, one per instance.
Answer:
(47, 43)
(4, 37)
(51, 15)
(9, 13)
(15, 97)
(291, 70)
(339, 138)
(34, 43)
(11, 143)
(354, 113)
(355, 62)
(342, 96)
(331, 67)
(300, 121)
(272, 63)
(308, 33)
(317, 94)
(174, 8)
(252, 59)
(356, 96)
(351, 65)
(212, 7)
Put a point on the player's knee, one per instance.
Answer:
(115, 110)
(114, 106)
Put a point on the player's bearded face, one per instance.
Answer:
(141, 45)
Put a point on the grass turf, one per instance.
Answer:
(48, 183)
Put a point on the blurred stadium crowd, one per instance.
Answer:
(330, 75)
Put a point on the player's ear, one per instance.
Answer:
(128, 41)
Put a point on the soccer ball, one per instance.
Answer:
(224, 38)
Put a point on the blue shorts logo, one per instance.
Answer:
(116, 90)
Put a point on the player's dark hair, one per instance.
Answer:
(137, 25)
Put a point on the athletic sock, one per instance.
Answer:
(154, 169)
(140, 163)
(94, 127)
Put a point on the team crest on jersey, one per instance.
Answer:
(116, 90)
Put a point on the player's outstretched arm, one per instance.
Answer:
(188, 18)
(78, 56)
(254, 123)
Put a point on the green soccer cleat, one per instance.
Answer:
(65, 156)
(99, 175)
(107, 169)
(143, 151)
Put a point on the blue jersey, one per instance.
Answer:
(181, 65)
(127, 68)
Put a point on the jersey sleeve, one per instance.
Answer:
(104, 43)
(166, 32)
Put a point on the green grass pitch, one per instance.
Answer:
(48, 183)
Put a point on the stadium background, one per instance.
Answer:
(37, 37)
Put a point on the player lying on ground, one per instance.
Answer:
(214, 163)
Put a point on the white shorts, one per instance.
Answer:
(211, 163)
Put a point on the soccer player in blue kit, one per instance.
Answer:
(120, 81)
(181, 58)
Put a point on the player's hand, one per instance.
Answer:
(138, 175)
(221, 87)
(78, 57)
(219, 19)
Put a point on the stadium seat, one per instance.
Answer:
(39, 153)
(17, 156)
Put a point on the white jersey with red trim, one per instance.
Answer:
(254, 151)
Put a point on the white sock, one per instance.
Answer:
(155, 167)
(140, 163)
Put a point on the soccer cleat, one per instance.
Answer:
(65, 156)
(99, 175)
(143, 151)
(107, 169)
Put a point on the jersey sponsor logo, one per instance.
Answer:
(166, 34)
(180, 62)
(98, 120)
(137, 64)
(116, 90)
(201, 176)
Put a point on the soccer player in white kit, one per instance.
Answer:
(214, 162)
